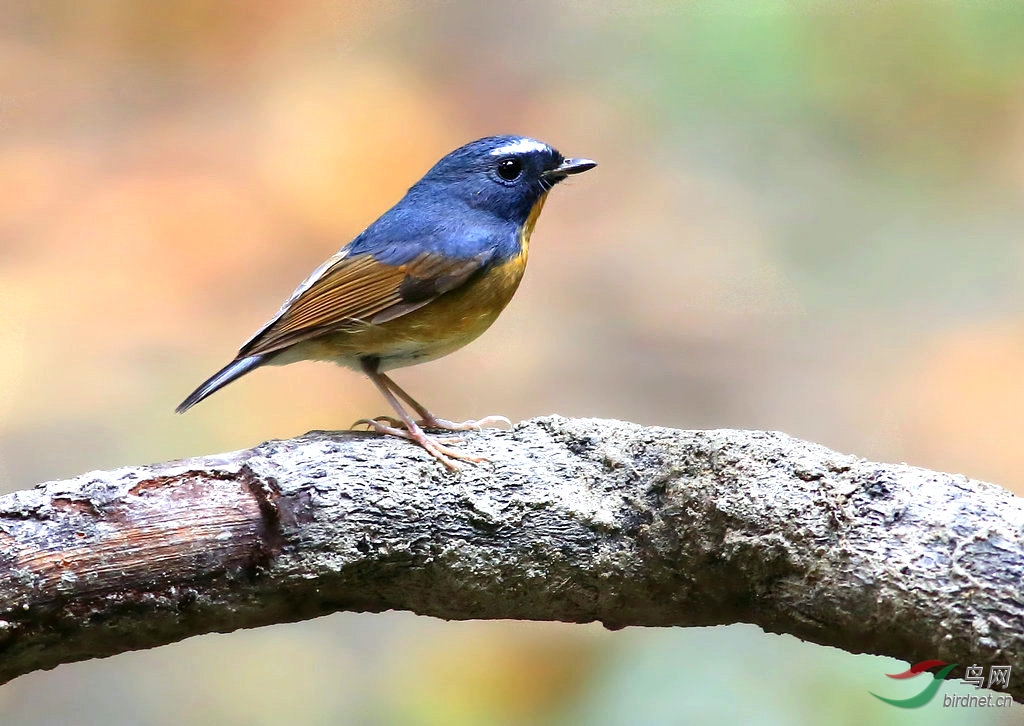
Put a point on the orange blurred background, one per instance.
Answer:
(805, 218)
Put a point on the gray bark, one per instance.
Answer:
(574, 520)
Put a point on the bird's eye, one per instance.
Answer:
(510, 169)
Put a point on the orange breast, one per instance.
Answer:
(435, 330)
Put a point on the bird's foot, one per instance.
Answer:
(434, 446)
(439, 423)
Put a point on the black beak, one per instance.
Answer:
(569, 166)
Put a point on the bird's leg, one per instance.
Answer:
(430, 421)
(411, 431)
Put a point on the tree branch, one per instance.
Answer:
(576, 520)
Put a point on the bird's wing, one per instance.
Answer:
(352, 289)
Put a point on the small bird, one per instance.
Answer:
(429, 276)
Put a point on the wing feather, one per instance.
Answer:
(359, 289)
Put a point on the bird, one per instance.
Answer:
(427, 277)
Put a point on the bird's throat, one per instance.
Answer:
(531, 221)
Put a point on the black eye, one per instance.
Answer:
(510, 169)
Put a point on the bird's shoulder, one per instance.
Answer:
(409, 230)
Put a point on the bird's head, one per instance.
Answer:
(503, 175)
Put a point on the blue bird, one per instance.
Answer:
(428, 277)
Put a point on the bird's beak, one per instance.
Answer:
(569, 166)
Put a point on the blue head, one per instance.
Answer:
(475, 200)
(503, 175)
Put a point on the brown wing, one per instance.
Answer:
(359, 289)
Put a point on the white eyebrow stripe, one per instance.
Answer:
(520, 146)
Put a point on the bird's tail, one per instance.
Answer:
(232, 371)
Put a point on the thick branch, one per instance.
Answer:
(577, 520)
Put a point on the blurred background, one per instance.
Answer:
(806, 218)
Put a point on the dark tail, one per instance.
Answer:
(233, 370)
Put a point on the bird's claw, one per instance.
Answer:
(434, 446)
(371, 423)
